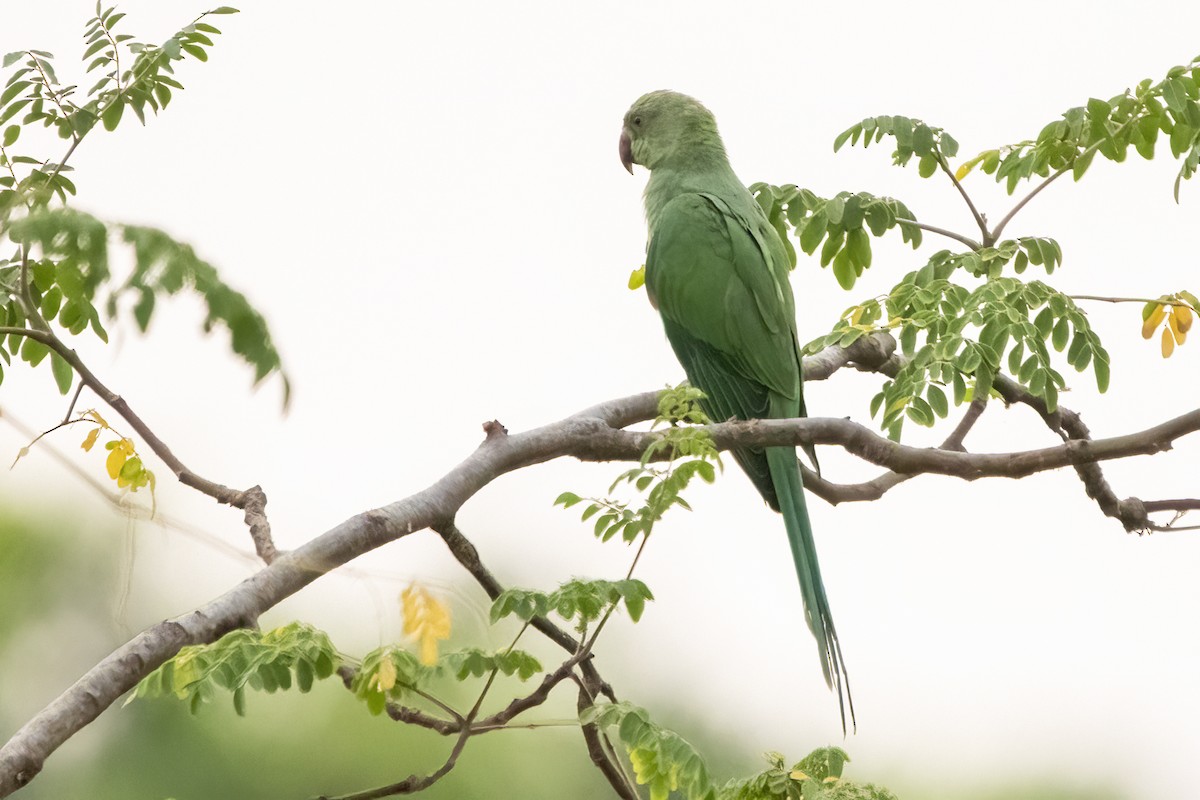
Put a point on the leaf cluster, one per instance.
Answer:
(1176, 313)
(844, 222)
(662, 760)
(473, 662)
(1134, 118)
(240, 659)
(389, 673)
(818, 776)
(147, 81)
(69, 270)
(579, 601)
(969, 333)
(931, 145)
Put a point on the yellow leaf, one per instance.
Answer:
(116, 460)
(426, 619)
(385, 678)
(94, 414)
(965, 169)
(797, 775)
(1173, 324)
(1168, 343)
(1152, 321)
(90, 441)
(637, 278)
(1184, 321)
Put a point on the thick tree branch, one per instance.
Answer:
(620, 445)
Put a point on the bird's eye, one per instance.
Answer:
(637, 120)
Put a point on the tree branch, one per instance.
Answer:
(253, 500)
(588, 435)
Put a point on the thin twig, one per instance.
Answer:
(74, 400)
(958, 237)
(413, 783)
(979, 219)
(1025, 200)
(1160, 300)
(54, 98)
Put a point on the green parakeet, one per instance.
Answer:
(717, 272)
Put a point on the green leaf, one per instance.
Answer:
(927, 166)
(843, 269)
(949, 145)
(14, 90)
(111, 117)
(922, 141)
(10, 135)
(224, 10)
(567, 499)
(1060, 335)
(858, 243)
(937, 401)
(11, 112)
(196, 51)
(1044, 322)
(1100, 365)
(64, 376)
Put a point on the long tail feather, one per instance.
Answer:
(785, 474)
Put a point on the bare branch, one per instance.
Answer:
(1190, 504)
(1143, 300)
(413, 783)
(958, 237)
(1025, 200)
(613, 445)
(979, 218)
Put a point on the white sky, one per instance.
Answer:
(426, 202)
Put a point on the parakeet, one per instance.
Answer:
(717, 272)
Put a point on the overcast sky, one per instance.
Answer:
(426, 203)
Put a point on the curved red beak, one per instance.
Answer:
(625, 147)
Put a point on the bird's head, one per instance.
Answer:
(664, 128)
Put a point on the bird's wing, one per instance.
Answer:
(712, 276)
